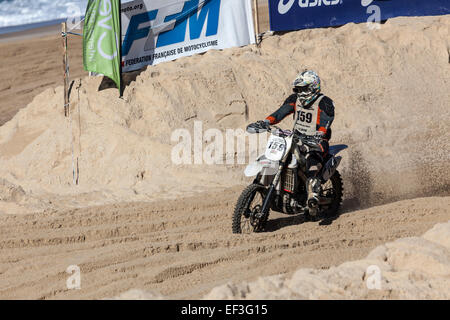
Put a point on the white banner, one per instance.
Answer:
(155, 31)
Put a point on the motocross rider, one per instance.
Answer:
(313, 116)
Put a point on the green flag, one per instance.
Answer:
(101, 39)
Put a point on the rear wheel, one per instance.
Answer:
(333, 189)
(247, 207)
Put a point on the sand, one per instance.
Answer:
(183, 248)
(408, 268)
(138, 221)
(30, 65)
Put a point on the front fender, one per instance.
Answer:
(253, 169)
(261, 165)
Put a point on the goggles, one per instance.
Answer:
(304, 89)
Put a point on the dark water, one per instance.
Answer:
(19, 15)
(30, 26)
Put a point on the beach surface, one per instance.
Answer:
(137, 220)
(32, 62)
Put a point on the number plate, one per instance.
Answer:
(276, 146)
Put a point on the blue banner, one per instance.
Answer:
(288, 15)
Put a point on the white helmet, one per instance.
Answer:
(307, 86)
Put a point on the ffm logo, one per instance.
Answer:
(285, 7)
(168, 25)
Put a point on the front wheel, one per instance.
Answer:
(247, 207)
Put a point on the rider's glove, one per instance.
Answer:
(257, 127)
(263, 124)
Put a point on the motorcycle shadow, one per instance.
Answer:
(283, 222)
(348, 206)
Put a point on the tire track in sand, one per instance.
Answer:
(183, 248)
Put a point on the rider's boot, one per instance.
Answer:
(314, 189)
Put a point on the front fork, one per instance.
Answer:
(266, 205)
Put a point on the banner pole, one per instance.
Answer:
(256, 20)
(121, 89)
(64, 44)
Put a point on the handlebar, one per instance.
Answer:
(259, 127)
(308, 141)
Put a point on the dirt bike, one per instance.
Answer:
(280, 182)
